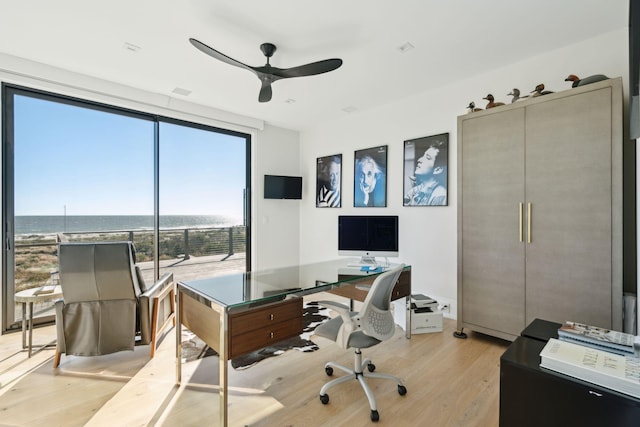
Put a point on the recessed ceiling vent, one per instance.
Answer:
(406, 47)
(181, 91)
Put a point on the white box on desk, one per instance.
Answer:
(426, 322)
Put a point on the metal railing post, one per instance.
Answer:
(230, 241)
(186, 243)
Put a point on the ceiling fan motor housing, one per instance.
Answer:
(268, 49)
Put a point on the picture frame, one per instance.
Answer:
(329, 181)
(370, 177)
(425, 168)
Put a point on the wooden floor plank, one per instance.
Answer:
(450, 382)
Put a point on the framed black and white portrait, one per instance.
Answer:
(425, 171)
(370, 177)
(329, 181)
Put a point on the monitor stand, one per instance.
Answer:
(368, 260)
(364, 261)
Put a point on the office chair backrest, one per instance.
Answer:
(97, 271)
(375, 317)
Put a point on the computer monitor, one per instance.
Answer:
(368, 236)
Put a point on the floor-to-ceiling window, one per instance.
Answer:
(203, 178)
(78, 171)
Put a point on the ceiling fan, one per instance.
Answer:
(268, 74)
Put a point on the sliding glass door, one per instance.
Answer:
(79, 171)
(203, 179)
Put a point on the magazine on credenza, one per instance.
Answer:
(620, 373)
(600, 338)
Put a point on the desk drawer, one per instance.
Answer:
(403, 286)
(263, 326)
(263, 337)
(401, 289)
(263, 316)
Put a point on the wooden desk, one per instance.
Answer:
(239, 313)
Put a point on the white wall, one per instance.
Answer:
(277, 221)
(428, 235)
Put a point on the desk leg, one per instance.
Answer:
(24, 325)
(30, 326)
(224, 366)
(408, 321)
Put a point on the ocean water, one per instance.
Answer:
(88, 223)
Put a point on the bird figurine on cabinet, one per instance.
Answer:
(472, 107)
(539, 90)
(492, 103)
(576, 81)
(515, 94)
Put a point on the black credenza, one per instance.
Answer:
(533, 396)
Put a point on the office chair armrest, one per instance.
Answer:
(349, 324)
(341, 309)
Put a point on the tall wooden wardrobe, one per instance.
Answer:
(540, 211)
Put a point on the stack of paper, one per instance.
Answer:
(620, 373)
(600, 338)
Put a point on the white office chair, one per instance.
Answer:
(370, 326)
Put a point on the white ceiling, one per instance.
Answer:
(453, 40)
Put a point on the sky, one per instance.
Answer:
(79, 161)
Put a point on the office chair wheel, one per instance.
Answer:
(371, 367)
(375, 416)
(324, 398)
(402, 390)
(329, 371)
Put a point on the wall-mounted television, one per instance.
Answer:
(282, 187)
(368, 236)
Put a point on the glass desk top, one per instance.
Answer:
(257, 287)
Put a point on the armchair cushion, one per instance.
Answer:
(141, 281)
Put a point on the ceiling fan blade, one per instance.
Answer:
(308, 69)
(267, 73)
(265, 92)
(219, 56)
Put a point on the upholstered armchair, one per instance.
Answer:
(106, 306)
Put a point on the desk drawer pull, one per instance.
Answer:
(271, 334)
(595, 393)
(271, 316)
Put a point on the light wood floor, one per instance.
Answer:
(450, 382)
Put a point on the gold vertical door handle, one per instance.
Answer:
(528, 222)
(520, 209)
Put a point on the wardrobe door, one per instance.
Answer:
(491, 255)
(569, 187)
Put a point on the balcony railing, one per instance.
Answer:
(37, 255)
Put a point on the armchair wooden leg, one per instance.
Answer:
(154, 318)
(173, 306)
(56, 358)
(154, 327)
